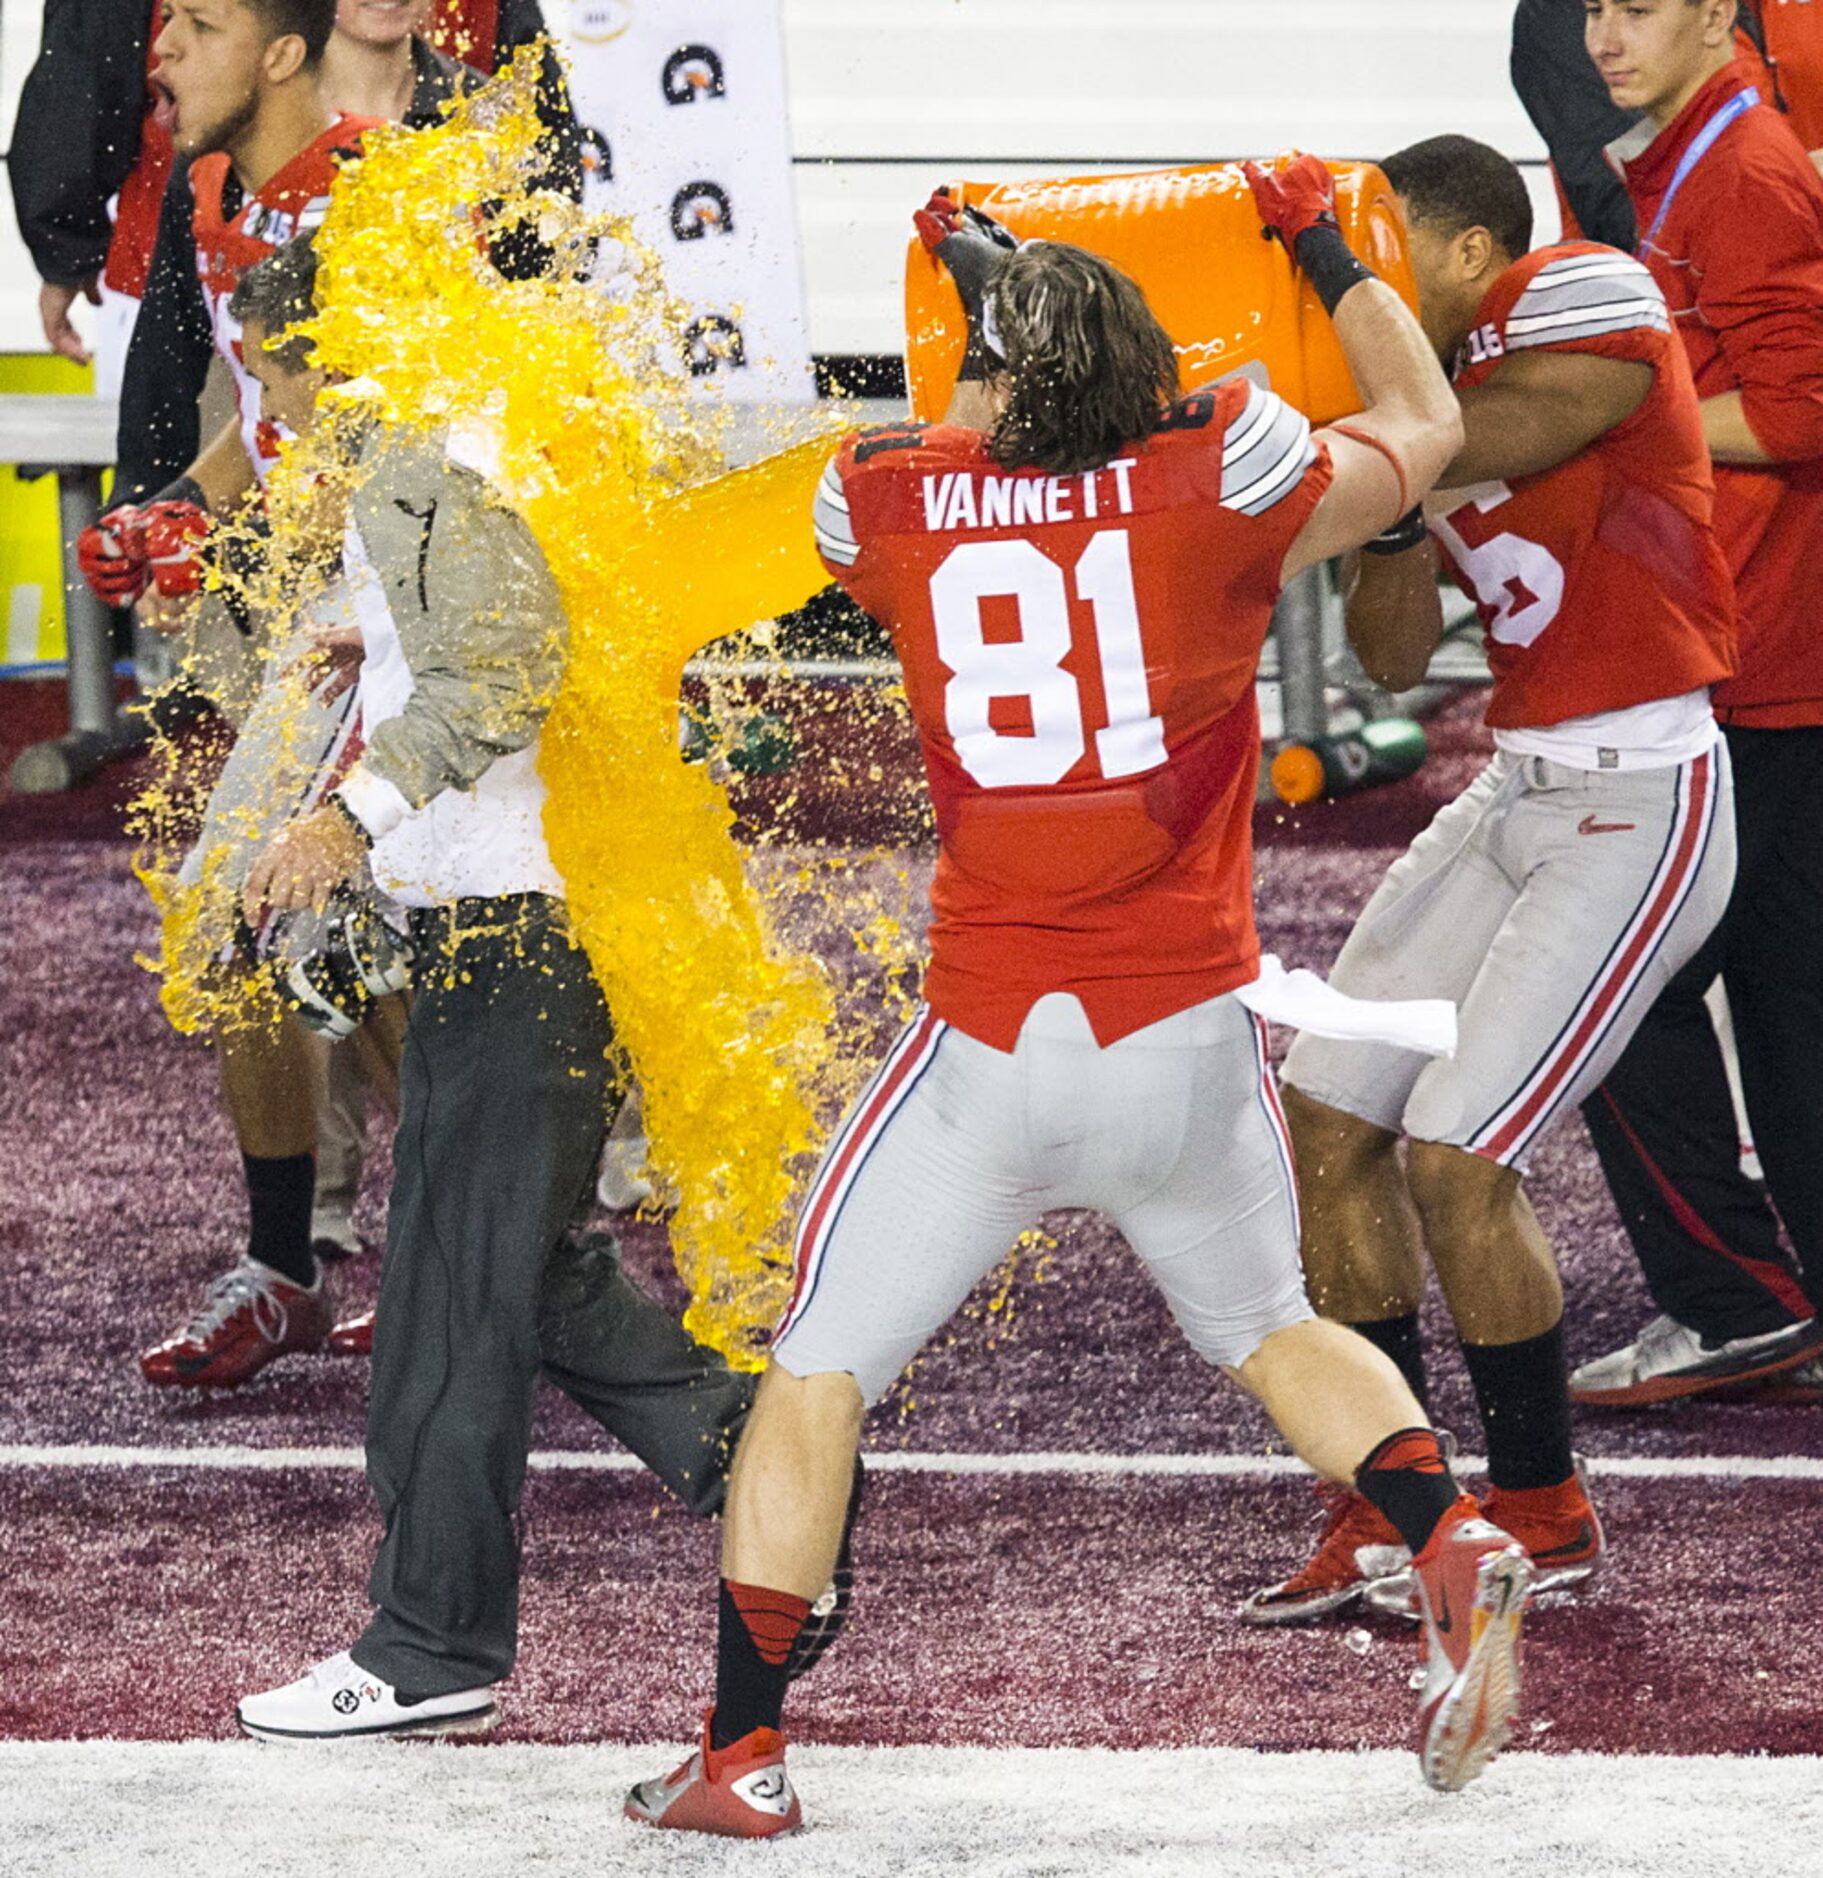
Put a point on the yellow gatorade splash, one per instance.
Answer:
(728, 1033)
(208, 986)
(598, 446)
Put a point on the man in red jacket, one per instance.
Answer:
(1793, 31)
(1570, 108)
(1730, 214)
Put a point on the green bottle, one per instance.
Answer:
(1382, 752)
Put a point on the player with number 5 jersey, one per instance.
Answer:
(1557, 896)
(1078, 569)
(1552, 558)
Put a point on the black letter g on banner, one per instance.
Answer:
(693, 72)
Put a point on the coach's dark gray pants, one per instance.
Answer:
(505, 1095)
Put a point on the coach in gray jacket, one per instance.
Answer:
(506, 1087)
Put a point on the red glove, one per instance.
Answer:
(174, 534)
(1295, 199)
(940, 218)
(113, 556)
(971, 245)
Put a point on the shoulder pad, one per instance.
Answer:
(865, 445)
(835, 531)
(1583, 294)
(1266, 448)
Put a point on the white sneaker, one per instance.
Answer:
(1669, 1360)
(1802, 1386)
(338, 1700)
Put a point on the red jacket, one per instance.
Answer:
(1794, 38)
(466, 30)
(1740, 261)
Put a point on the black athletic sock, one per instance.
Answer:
(1525, 1409)
(281, 1190)
(1408, 1479)
(753, 1658)
(1398, 1338)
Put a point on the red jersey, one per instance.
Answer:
(1600, 583)
(1739, 257)
(467, 30)
(292, 201)
(1079, 654)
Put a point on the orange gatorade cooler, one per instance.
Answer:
(1191, 237)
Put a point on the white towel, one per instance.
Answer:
(1304, 1001)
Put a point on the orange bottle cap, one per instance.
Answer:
(1297, 774)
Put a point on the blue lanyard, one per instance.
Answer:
(1738, 106)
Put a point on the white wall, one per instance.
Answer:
(889, 97)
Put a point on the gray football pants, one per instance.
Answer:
(1174, 1132)
(504, 1100)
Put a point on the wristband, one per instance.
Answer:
(1405, 534)
(1330, 264)
(339, 802)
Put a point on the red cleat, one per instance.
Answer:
(1473, 1581)
(739, 1792)
(1358, 1548)
(353, 1336)
(1558, 1526)
(250, 1318)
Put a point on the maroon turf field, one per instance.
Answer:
(998, 1608)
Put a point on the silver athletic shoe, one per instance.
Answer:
(1669, 1361)
(1801, 1387)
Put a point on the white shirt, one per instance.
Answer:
(1655, 735)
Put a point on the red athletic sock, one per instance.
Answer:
(758, 1627)
(1408, 1479)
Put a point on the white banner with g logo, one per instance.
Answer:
(687, 132)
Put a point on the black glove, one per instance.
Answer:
(972, 246)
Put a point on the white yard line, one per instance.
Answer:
(215, 1809)
(1062, 1465)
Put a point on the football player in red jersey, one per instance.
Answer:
(1078, 569)
(258, 146)
(258, 149)
(1556, 897)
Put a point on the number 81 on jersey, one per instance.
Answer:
(1032, 665)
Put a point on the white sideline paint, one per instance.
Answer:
(1060, 1465)
(106, 1809)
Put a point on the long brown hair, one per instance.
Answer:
(1090, 369)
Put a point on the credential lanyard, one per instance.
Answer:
(1738, 106)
